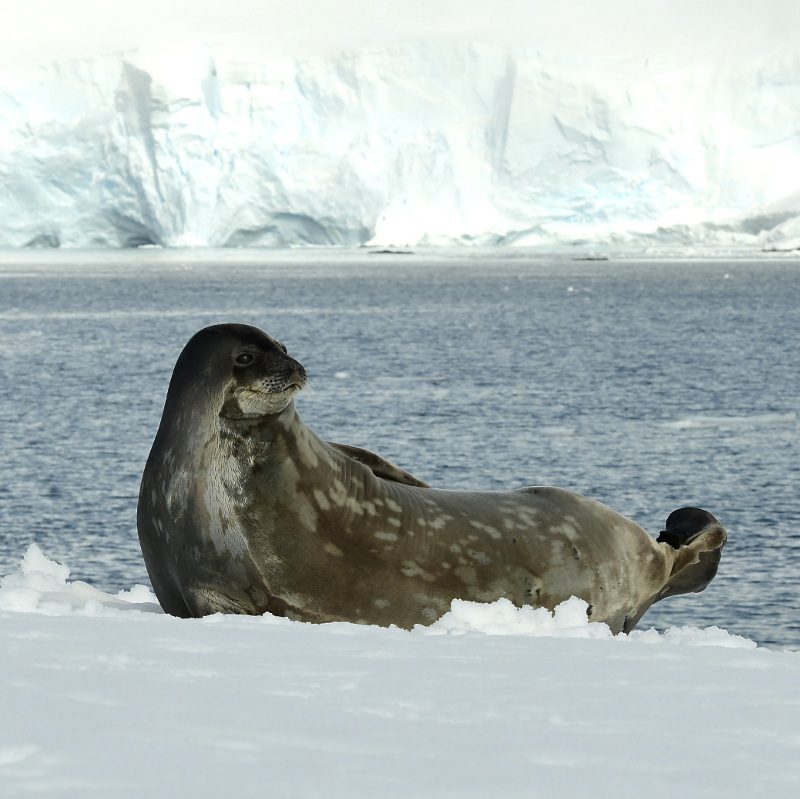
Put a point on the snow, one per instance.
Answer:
(573, 124)
(105, 695)
(41, 586)
(568, 620)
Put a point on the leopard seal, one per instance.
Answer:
(243, 509)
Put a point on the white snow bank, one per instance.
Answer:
(129, 704)
(568, 620)
(41, 585)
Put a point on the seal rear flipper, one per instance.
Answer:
(697, 559)
(685, 524)
(380, 466)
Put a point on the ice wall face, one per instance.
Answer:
(412, 144)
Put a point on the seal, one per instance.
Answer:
(243, 509)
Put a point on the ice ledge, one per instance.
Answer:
(420, 144)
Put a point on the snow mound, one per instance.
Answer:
(502, 617)
(568, 620)
(41, 585)
(692, 636)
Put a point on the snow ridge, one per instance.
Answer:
(42, 586)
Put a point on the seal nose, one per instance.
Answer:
(297, 375)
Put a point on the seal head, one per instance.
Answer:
(256, 375)
(227, 379)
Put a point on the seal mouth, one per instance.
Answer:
(297, 380)
(293, 379)
(294, 386)
(267, 396)
(282, 388)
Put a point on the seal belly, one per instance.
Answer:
(421, 549)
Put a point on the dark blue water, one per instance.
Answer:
(644, 385)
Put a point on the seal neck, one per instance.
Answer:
(279, 438)
(263, 427)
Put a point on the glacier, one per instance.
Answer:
(419, 141)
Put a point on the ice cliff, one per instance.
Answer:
(418, 143)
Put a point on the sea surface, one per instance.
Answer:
(646, 385)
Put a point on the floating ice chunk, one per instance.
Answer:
(753, 420)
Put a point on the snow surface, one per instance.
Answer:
(580, 123)
(106, 696)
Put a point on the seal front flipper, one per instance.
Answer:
(380, 466)
(697, 538)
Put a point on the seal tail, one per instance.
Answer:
(697, 538)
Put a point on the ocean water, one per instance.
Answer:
(645, 385)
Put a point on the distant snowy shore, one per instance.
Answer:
(106, 696)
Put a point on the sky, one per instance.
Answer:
(44, 30)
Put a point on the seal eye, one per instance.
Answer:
(244, 358)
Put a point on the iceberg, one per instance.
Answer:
(484, 136)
